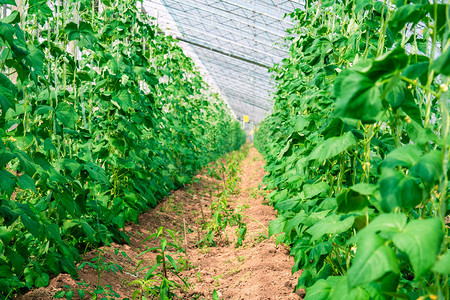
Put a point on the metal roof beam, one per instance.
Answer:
(230, 42)
(244, 86)
(233, 94)
(217, 49)
(232, 32)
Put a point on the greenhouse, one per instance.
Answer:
(224, 149)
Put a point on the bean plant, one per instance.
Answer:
(357, 149)
(101, 115)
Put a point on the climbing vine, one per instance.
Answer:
(101, 115)
(357, 149)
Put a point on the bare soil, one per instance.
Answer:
(256, 270)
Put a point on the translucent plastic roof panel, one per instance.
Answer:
(235, 43)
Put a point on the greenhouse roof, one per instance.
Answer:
(233, 42)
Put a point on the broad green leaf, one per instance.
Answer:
(342, 290)
(27, 183)
(215, 296)
(383, 65)
(405, 156)
(361, 4)
(40, 9)
(5, 157)
(330, 225)
(312, 190)
(418, 134)
(29, 275)
(442, 265)
(357, 97)
(333, 129)
(32, 226)
(66, 114)
(374, 258)
(7, 182)
(421, 240)
(398, 190)
(322, 289)
(300, 123)
(97, 173)
(42, 280)
(429, 168)
(123, 99)
(386, 224)
(411, 13)
(35, 60)
(277, 225)
(332, 147)
(43, 109)
(65, 200)
(7, 93)
(349, 200)
(26, 162)
(13, 18)
(442, 64)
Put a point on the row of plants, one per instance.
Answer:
(357, 149)
(162, 278)
(101, 115)
(227, 171)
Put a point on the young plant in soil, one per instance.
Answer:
(157, 282)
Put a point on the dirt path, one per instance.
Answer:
(255, 270)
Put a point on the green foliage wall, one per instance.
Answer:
(100, 116)
(357, 149)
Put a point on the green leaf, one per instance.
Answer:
(312, 190)
(27, 183)
(43, 109)
(349, 200)
(405, 156)
(42, 280)
(398, 190)
(11, 2)
(5, 157)
(13, 18)
(333, 129)
(442, 265)
(361, 4)
(421, 240)
(357, 96)
(342, 290)
(330, 225)
(411, 13)
(277, 225)
(332, 147)
(66, 114)
(300, 123)
(215, 296)
(172, 262)
(7, 93)
(374, 258)
(322, 289)
(96, 173)
(386, 224)
(429, 168)
(442, 64)
(40, 9)
(7, 182)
